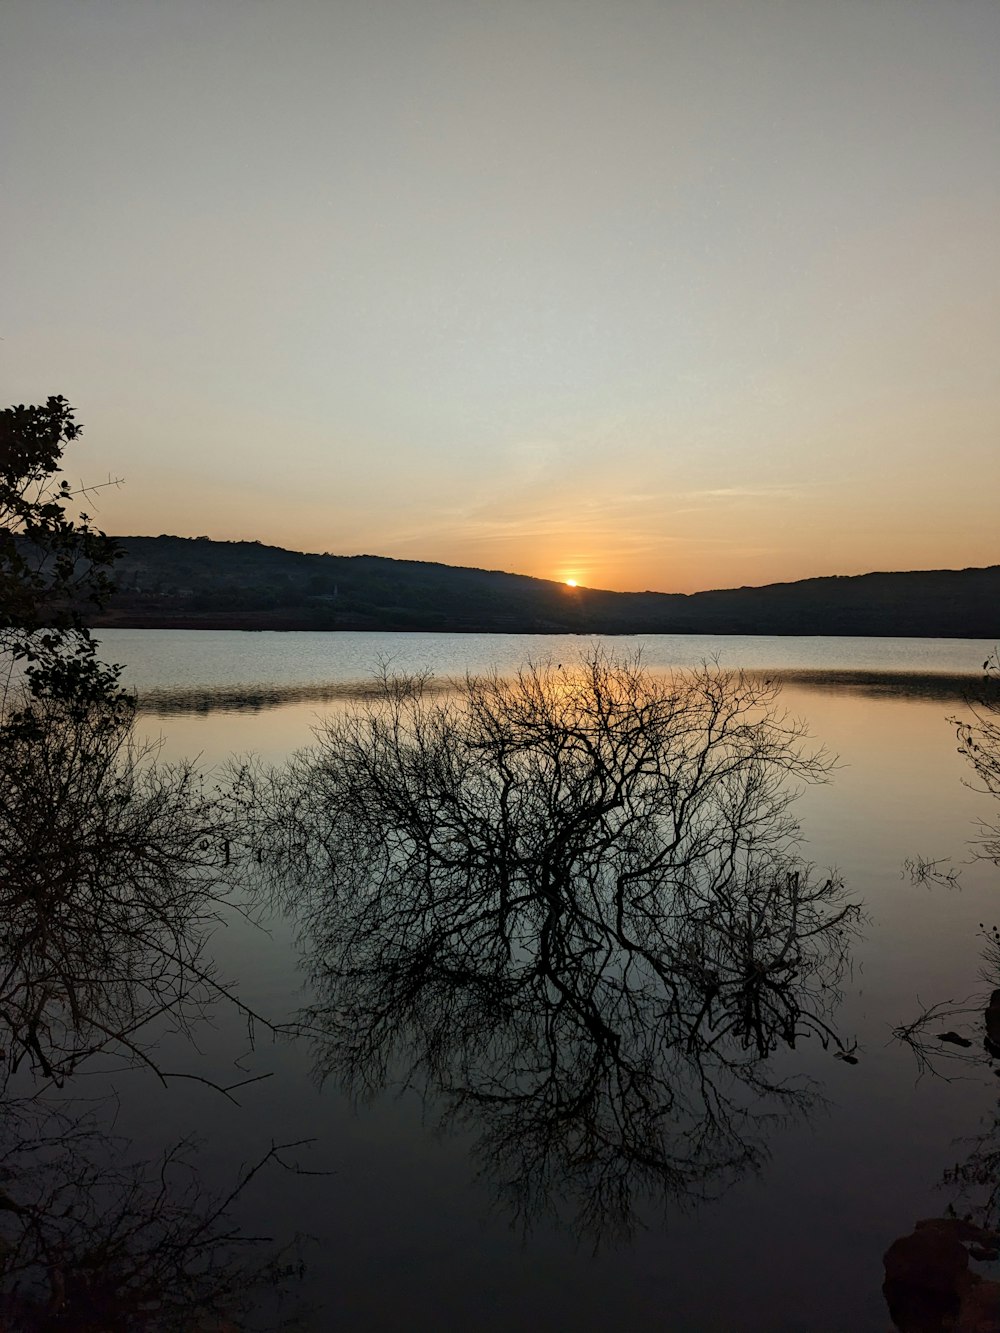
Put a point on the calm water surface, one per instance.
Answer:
(196, 660)
(409, 1232)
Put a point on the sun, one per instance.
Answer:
(571, 583)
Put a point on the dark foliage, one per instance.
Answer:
(54, 567)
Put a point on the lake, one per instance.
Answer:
(410, 1226)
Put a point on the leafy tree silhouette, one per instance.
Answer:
(53, 565)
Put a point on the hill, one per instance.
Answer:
(201, 584)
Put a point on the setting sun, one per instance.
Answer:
(571, 583)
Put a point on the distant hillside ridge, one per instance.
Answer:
(197, 583)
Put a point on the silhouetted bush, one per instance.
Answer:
(569, 908)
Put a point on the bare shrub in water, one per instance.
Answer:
(568, 904)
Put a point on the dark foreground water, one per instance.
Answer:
(412, 1224)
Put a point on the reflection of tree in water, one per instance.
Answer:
(973, 1183)
(929, 1284)
(92, 1243)
(978, 736)
(569, 907)
(112, 874)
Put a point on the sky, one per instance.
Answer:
(648, 294)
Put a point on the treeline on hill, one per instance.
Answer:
(202, 584)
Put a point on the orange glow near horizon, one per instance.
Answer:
(710, 318)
